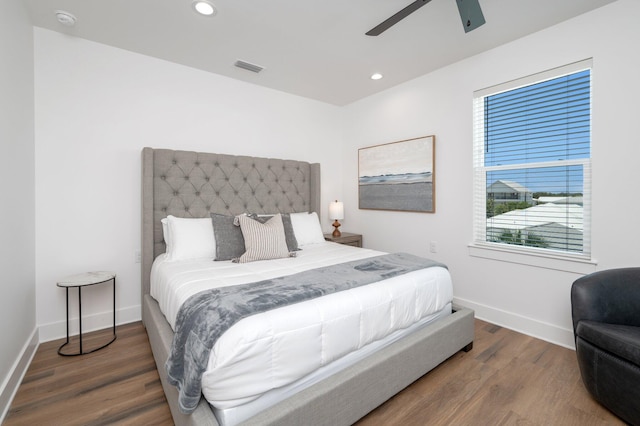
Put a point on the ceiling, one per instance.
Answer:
(314, 49)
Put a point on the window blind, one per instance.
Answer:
(532, 162)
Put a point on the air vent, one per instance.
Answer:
(248, 66)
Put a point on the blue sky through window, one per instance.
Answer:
(541, 123)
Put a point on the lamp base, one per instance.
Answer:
(336, 231)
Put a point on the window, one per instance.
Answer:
(532, 162)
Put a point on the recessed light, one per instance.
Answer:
(65, 18)
(204, 8)
(376, 76)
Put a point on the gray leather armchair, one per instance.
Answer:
(605, 309)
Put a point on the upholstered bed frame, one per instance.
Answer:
(191, 184)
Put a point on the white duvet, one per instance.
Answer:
(278, 347)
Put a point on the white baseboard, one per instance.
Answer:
(58, 329)
(538, 329)
(18, 370)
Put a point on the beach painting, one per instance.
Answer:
(398, 175)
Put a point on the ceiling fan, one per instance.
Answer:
(469, 10)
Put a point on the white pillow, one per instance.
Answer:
(190, 238)
(165, 235)
(306, 227)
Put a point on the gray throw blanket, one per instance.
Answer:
(205, 316)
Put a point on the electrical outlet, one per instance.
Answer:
(433, 247)
(137, 256)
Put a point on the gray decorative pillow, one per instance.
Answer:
(263, 241)
(229, 239)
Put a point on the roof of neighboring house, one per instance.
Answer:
(560, 200)
(568, 215)
(513, 185)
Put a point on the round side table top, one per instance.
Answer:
(87, 278)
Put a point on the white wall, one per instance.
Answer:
(531, 299)
(96, 108)
(17, 251)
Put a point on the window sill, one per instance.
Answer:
(538, 260)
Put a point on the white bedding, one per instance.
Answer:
(278, 347)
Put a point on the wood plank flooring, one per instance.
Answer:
(507, 379)
(115, 385)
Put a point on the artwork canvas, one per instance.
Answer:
(398, 176)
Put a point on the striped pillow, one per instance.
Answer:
(263, 241)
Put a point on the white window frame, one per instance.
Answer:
(540, 257)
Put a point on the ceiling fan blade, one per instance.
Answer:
(379, 29)
(471, 14)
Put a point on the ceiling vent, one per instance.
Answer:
(248, 66)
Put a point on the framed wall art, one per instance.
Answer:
(398, 176)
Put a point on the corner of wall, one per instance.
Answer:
(11, 384)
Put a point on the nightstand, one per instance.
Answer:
(346, 238)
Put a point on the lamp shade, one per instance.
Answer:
(336, 210)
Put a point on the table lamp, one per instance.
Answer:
(336, 212)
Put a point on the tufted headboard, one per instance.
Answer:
(193, 184)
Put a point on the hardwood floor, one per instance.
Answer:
(508, 378)
(115, 385)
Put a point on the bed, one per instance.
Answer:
(193, 185)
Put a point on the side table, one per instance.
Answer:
(83, 280)
(346, 238)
